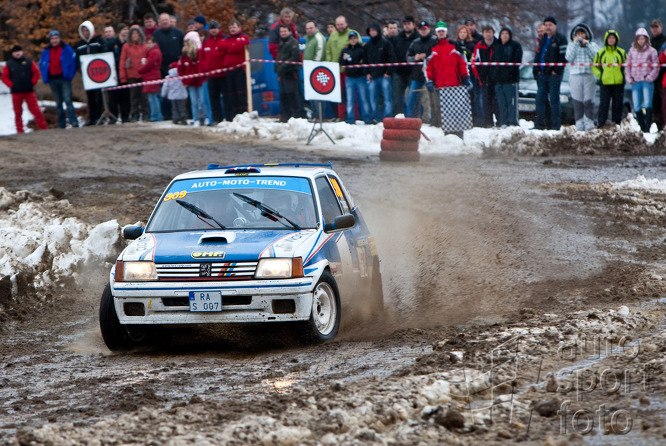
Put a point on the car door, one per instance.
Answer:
(340, 249)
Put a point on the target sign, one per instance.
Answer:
(322, 81)
(98, 71)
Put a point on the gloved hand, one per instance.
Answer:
(467, 82)
(430, 86)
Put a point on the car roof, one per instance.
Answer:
(278, 169)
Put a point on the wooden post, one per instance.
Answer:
(248, 79)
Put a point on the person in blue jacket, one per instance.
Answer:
(58, 67)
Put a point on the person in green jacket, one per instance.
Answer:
(611, 77)
(336, 42)
(315, 43)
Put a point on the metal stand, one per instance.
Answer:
(106, 113)
(315, 131)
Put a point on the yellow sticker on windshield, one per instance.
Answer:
(174, 195)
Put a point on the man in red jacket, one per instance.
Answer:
(235, 87)
(21, 75)
(286, 18)
(446, 70)
(212, 59)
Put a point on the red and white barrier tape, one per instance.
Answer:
(395, 64)
(170, 79)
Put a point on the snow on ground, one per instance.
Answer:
(52, 248)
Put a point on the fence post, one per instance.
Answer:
(248, 79)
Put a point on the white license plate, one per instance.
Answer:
(205, 301)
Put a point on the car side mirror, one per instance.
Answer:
(132, 232)
(340, 222)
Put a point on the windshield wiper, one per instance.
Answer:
(266, 211)
(200, 213)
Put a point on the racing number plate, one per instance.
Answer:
(205, 301)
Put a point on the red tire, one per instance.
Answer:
(402, 123)
(399, 146)
(385, 155)
(402, 135)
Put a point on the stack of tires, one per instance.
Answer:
(400, 139)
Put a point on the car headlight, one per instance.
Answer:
(564, 98)
(279, 268)
(135, 271)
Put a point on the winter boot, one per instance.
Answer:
(640, 117)
(580, 124)
(648, 119)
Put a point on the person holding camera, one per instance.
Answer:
(580, 52)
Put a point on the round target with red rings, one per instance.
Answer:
(322, 80)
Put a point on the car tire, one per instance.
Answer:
(402, 123)
(401, 135)
(324, 320)
(399, 146)
(119, 337)
(387, 155)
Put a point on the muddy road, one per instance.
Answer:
(525, 302)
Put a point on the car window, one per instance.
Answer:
(342, 198)
(235, 203)
(330, 206)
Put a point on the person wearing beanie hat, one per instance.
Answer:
(657, 40)
(552, 50)
(419, 51)
(90, 43)
(400, 77)
(582, 83)
(21, 75)
(57, 65)
(200, 23)
(334, 46)
(354, 54)
(447, 71)
(642, 70)
(379, 51)
(506, 77)
(611, 89)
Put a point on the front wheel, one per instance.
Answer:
(325, 315)
(119, 337)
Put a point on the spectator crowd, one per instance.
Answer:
(455, 80)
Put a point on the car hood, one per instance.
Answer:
(198, 246)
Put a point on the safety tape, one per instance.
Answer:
(395, 64)
(170, 79)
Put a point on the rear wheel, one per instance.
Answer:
(325, 315)
(119, 337)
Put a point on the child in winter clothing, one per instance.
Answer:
(580, 52)
(150, 71)
(21, 75)
(611, 77)
(642, 78)
(189, 64)
(175, 91)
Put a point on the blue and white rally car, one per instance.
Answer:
(255, 243)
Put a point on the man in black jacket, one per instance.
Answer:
(400, 77)
(419, 50)
(291, 98)
(354, 54)
(552, 49)
(21, 75)
(119, 100)
(379, 51)
(170, 41)
(90, 43)
(505, 78)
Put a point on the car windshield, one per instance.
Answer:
(235, 203)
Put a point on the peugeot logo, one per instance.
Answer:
(204, 270)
